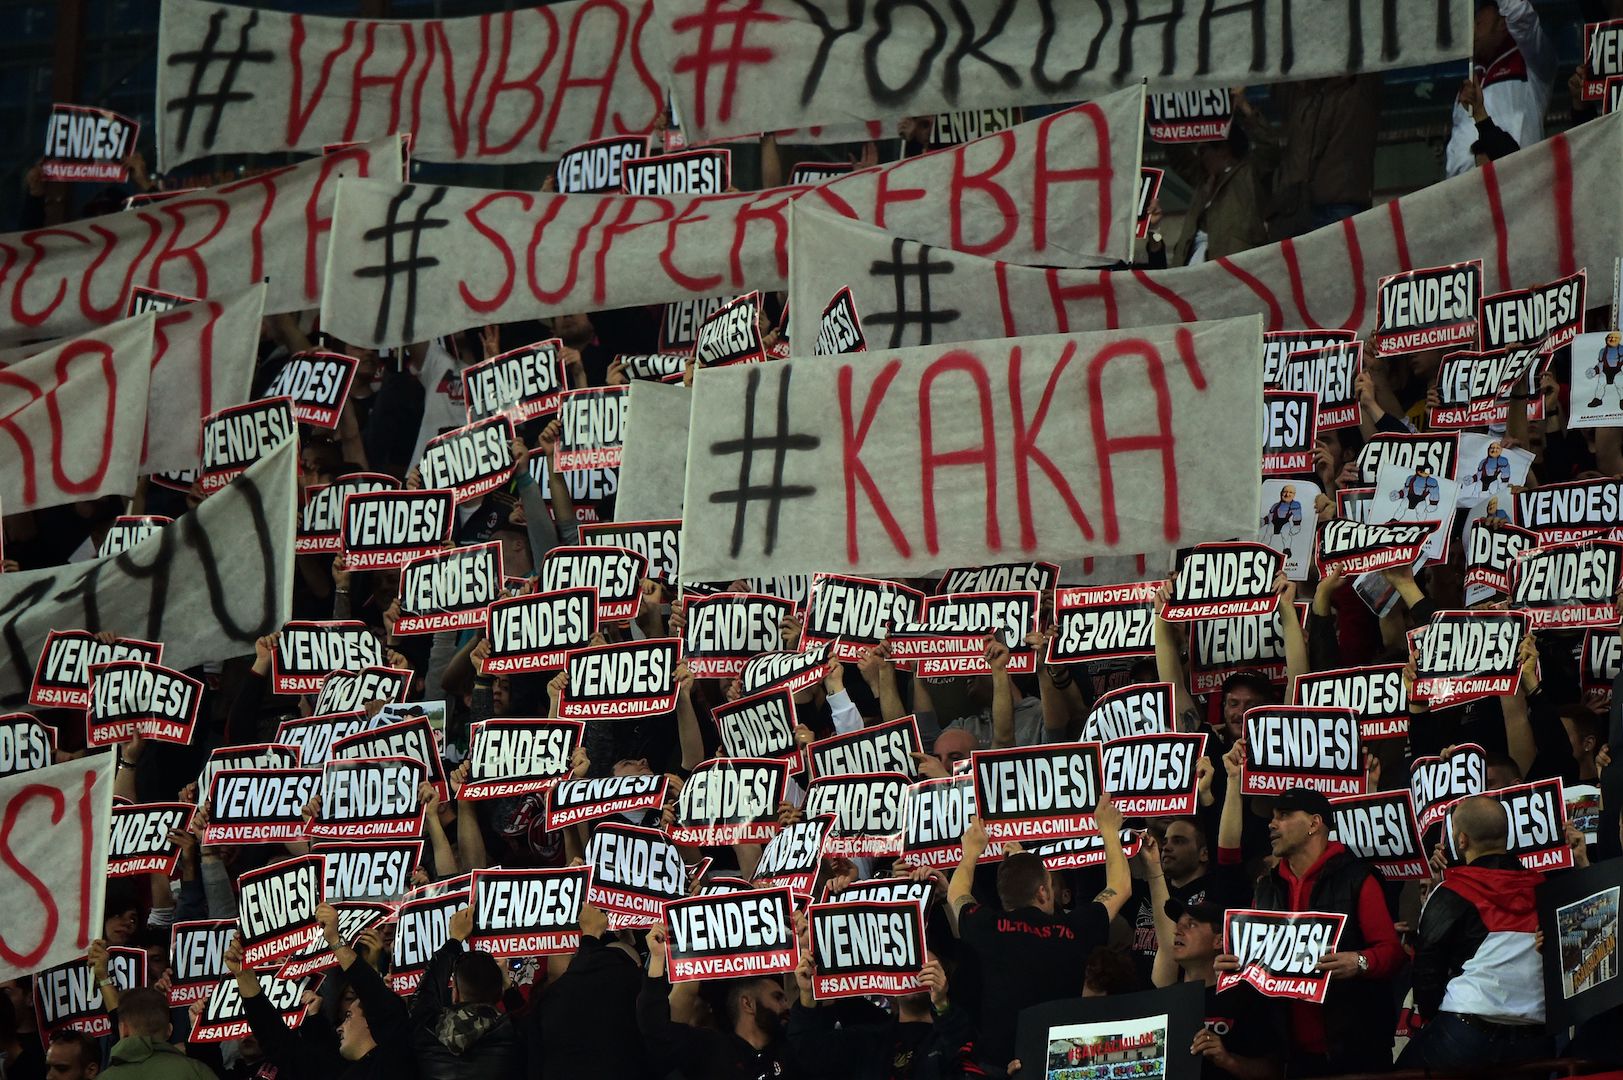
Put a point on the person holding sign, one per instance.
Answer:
(921, 1028)
(467, 1035)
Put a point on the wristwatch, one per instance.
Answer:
(1363, 964)
(1156, 240)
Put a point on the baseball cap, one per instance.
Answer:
(1306, 800)
(1210, 914)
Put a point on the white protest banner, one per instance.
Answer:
(1224, 581)
(593, 168)
(354, 919)
(197, 951)
(1600, 660)
(1431, 308)
(1546, 316)
(723, 630)
(759, 726)
(225, 1017)
(1436, 782)
(867, 811)
(791, 858)
(1351, 547)
(1280, 951)
(731, 334)
(866, 947)
(1038, 792)
(786, 64)
(1534, 217)
(653, 459)
(706, 171)
(347, 691)
(307, 652)
(503, 256)
(527, 912)
(1603, 56)
(1464, 655)
(62, 675)
(259, 805)
(25, 744)
(139, 842)
(368, 870)
(1579, 510)
(730, 801)
(423, 924)
(321, 518)
(384, 530)
(1128, 711)
(1537, 815)
(317, 384)
(903, 503)
(1290, 425)
(572, 802)
(276, 907)
(1153, 775)
(839, 329)
(73, 418)
(615, 573)
(1375, 693)
(594, 428)
(657, 541)
(211, 244)
(85, 144)
(791, 671)
(1102, 623)
(448, 590)
(1597, 380)
(518, 757)
(1301, 746)
(635, 873)
(536, 631)
(237, 436)
(878, 748)
(1568, 586)
(414, 738)
(127, 530)
(1191, 116)
(852, 614)
(521, 384)
(622, 680)
(1382, 828)
(504, 87)
(68, 998)
(369, 799)
(731, 936)
(1472, 386)
(313, 736)
(129, 698)
(470, 461)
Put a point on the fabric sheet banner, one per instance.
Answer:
(510, 86)
(1536, 216)
(72, 418)
(740, 66)
(207, 244)
(899, 463)
(206, 586)
(653, 460)
(416, 260)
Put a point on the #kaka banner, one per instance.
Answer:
(419, 260)
(1536, 216)
(909, 489)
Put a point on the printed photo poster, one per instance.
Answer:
(1143, 1036)
(1415, 479)
(1580, 911)
(1489, 469)
(1287, 523)
(1597, 380)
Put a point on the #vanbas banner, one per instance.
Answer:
(418, 260)
(739, 66)
(897, 463)
(1534, 217)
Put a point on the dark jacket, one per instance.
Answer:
(705, 1052)
(142, 1058)
(299, 1058)
(460, 1042)
(584, 1023)
(1498, 980)
(863, 1042)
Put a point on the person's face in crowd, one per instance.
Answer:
(516, 560)
(354, 1036)
(120, 927)
(501, 694)
(366, 366)
(632, 767)
(953, 746)
(573, 330)
(157, 962)
(1288, 833)
(311, 469)
(65, 1061)
(1492, 36)
(765, 1006)
(1193, 940)
(1500, 775)
(1181, 853)
(13, 989)
(1235, 703)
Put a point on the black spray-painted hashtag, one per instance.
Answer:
(391, 267)
(922, 314)
(224, 92)
(779, 443)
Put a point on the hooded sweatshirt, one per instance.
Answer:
(1475, 954)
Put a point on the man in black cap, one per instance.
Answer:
(1243, 1037)
(1352, 1031)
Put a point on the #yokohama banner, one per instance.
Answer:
(416, 260)
(741, 66)
(1540, 214)
(944, 462)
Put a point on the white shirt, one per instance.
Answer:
(1515, 87)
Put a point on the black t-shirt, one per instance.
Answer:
(1143, 945)
(1249, 1024)
(1025, 958)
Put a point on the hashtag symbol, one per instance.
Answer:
(222, 95)
(922, 315)
(391, 267)
(778, 444)
(706, 56)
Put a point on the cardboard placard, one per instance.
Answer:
(1472, 386)
(1375, 693)
(1599, 661)
(635, 873)
(935, 814)
(385, 530)
(257, 804)
(521, 384)
(1038, 792)
(1142, 709)
(594, 428)
(660, 542)
(616, 574)
(1278, 346)
(1224, 581)
(1280, 951)
(949, 636)
(1292, 746)
(1430, 308)
(731, 334)
(126, 531)
(317, 384)
(68, 998)
(1491, 550)
(593, 168)
(1580, 911)
(737, 934)
(1381, 826)
(143, 299)
(855, 613)
(705, 171)
(759, 726)
(368, 870)
(1153, 775)
(422, 926)
(1103, 622)
(276, 908)
(1580, 510)
(372, 798)
(1330, 372)
(1079, 852)
(791, 858)
(866, 947)
(414, 738)
(879, 748)
(25, 744)
(1437, 782)
(449, 590)
(224, 1017)
(139, 842)
(730, 801)
(197, 951)
(518, 757)
(87, 144)
(815, 172)
(354, 919)
(307, 652)
(622, 681)
(867, 811)
(1149, 190)
(723, 630)
(679, 324)
(665, 367)
(1290, 426)
(571, 802)
(1464, 655)
(791, 671)
(471, 461)
(346, 691)
(536, 631)
(313, 736)
(1220, 647)
(1354, 548)
(1191, 116)
(1568, 586)
(999, 577)
(1603, 56)
(129, 698)
(839, 329)
(527, 912)
(321, 518)
(236, 437)
(62, 675)
(1537, 813)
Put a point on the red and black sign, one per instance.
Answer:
(635, 873)
(313, 736)
(1290, 425)
(1103, 622)
(1599, 661)
(354, 919)
(26, 744)
(1220, 647)
(1432, 308)
(522, 384)
(707, 171)
(276, 907)
(593, 168)
(594, 428)
(471, 461)
(197, 952)
(723, 630)
(665, 367)
(1580, 510)
(1546, 316)
(129, 698)
(224, 1017)
(1464, 655)
(321, 519)
(369, 799)
(791, 671)
(1603, 56)
(1437, 782)
(660, 542)
(1223, 581)
(369, 870)
(680, 321)
(1280, 951)
(839, 331)
(1375, 693)
(1153, 775)
(140, 844)
(259, 806)
(236, 437)
(317, 384)
(999, 577)
(62, 676)
(307, 652)
(1278, 346)
(1191, 116)
(934, 816)
(1355, 548)
(1382, 828)
(731, 936)
(518, 757)
(867, 811)
(571, 802)
(1292, 746)
(1537, 813)
(616, 574)
(412, 738)
(759, 726)
(347, 691)
(1568, 586)
(880, 748)
(1080, 852)
(730, 801)
(731, 334)
(1491, 550)
(949, 636)
(68, 998)
(791, 858)
(815, 172)
(1149, 189)
(622, 681)
(422, 926)
(143, 299)
(1038, 792)
(866, 947)
(1471, 386)
(537, 631)
(1329, 372)
(1142, 709)
(127, 531)
(449, 590)
(527, 912)
(385, 530)
(86, 144)
(853, 613)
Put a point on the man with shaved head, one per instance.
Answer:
(1477, 980)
